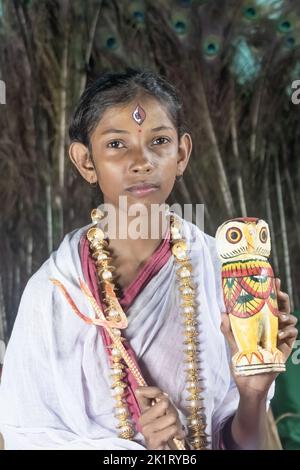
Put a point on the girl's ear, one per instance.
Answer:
(184, 152)
(80, 156)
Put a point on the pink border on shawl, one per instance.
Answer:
(149, 270)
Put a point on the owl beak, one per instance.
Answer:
(249, 234)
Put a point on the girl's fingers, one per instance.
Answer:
(288, 333)
(160, 424)
(158, 439)
(283, 301)
(158, 410)
(286, 340)
(146, 395)
(285, 320)
(163, 407)
(282, 298)
(148, 392)
(277, 283)
(227, 332)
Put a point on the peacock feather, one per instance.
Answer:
(180, 23)
(109, 40)
(137, 12)
(245, 61)
(288, 28)
(211, 46)
(257, 10)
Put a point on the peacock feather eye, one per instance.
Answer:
(250, 12)
(185, 3)
(180, 27)
(180, 22)
(211, 46)
(137, 11)
(290, 42)
(111, 43)
(108, 39)
(234, 235)
(139, 16)
(285, 26)
(263, 235)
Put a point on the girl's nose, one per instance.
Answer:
(142, 162)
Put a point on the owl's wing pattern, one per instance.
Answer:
(231, 290)
(247, 305)
(247, 287)
(258, 286)
(272, 300)
(238, 300)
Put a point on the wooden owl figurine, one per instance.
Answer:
(248, 282)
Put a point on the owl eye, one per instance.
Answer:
(234, 235)
(263, 235)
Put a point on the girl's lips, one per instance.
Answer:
(142, 191)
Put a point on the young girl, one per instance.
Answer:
(117, 343)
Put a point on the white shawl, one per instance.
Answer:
(55, 391)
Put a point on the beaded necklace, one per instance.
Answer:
(116, 318)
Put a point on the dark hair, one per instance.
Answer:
(113, 89)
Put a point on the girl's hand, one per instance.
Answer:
(287, 331)
(159, 420)
(258, 385)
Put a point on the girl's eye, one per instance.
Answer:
(161, 140)
(116, 144)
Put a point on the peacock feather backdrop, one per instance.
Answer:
(236, 64)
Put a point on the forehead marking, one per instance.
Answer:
(139, 115)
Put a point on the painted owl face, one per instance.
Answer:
(243, 238)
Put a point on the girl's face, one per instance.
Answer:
(127, 152)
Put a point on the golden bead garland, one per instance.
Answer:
(99, 249)
(196, 418)
(100, 253)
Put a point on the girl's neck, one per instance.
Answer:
(130, 255)
(138, 249)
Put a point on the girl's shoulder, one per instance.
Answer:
(63, 263)
(199, 239)
(204, 251)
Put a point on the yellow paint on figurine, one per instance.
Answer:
(248, 282)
